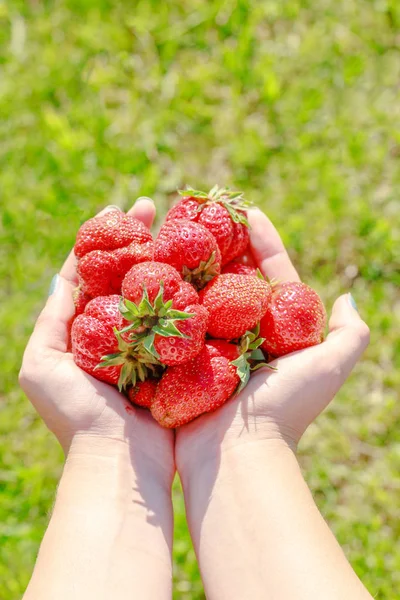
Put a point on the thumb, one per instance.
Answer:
(52, 327)
(348, 333)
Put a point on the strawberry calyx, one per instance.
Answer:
(202, 274)
(251, 356)
(232, 201)
(137, 363)
(146, 320)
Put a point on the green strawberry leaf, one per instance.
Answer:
(257, 354)
(130, 327)
(260, 275)
(158, 302)
(130, 307)
(167, 329)
(243, 371)
(213, 191)
(123, 377)
(141, 371)
(256, 344)
(236, 216)
(122, 345)
(148, 344)
(145, 306)
(110, 360)
(192, 193)
(264, 364)
(179, 315)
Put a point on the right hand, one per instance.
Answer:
(75, 406)
(278, 405)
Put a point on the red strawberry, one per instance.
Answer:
(190, 248)
(106, 310)
(149, 275)
(93, 338)
(221, 212)
(223, 348)
(246, 258)
(173, 350)
(196, 387)
(295, 319)
(110, 231)
(217, 220)
(80, 301)
(239, 269)
(143, 392)
(89, 365)
(154, 296)
(184, 296)
(235, 303)
(107, 247)
(239, 243)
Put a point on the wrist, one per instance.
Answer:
(117, 461)
(230, 466)
(211, 447)
(105, 482)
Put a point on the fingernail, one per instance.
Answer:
(145, 198)
(352, 302)
(54, 284)
(112, 207)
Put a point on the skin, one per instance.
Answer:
(110, 534)
(255, 528)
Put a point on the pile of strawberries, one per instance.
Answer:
(180, 321)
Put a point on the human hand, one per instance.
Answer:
(280, 404)
(75, 405)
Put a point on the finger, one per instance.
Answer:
(144, 210)
(315, 375)
(68, 270)
(52, 327)
(268, 248)
(348, 334)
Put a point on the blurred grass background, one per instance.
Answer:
(295, 102)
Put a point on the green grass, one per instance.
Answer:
(295, 102)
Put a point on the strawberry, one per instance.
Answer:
(223, 348)
(235, 303)
(106, 310)
(191, 249)
(110, 231)
(95, 344)
(151, 293)
(106, 247)
(80, 300)
(143, 392)
(239, 243)
(196, 387)
(221, 211)
(149, 274)
(184, 296)
(91, 340)
(239, 269)
(173, 350)
(295, 319)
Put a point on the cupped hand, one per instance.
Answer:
(279, 404)
(72, 403)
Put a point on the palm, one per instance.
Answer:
(85, 404)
